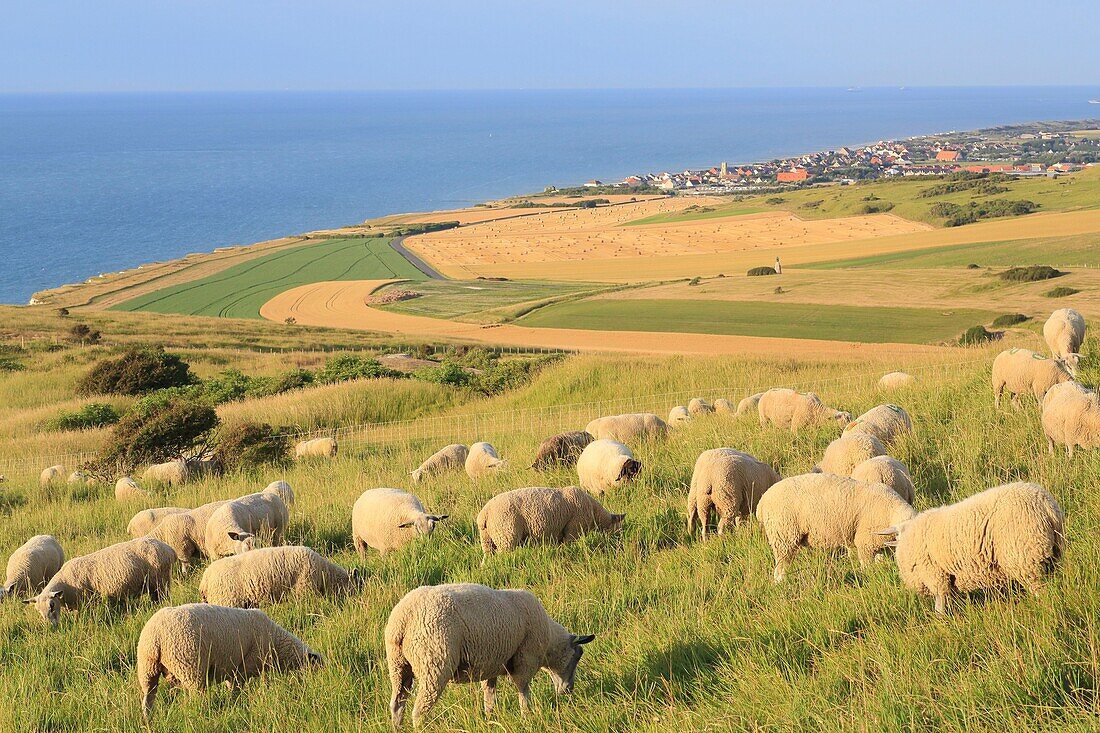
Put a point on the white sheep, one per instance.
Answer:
(786, 408)
(198, 643)
(728, 482)
(896, 380)
(1071, 417)
(698, 406)
(179, 532)
(283, 489)
(388, 519)
(638, 426)
(118, 572)
(1010, 533)
(51, 475)
(471, 633)
(847, 452)
(448, 458)
(482, 459)
(233, 527)
(749, 405)
(126, 489)
(143, 522)
(604, 464)
(32, 565)
(829, 512)
(81, 478)
(888, 471)
(722, 406)
(171, 473)
(678, 415)
(561, 451)
(886, 422)
(271, 574)
(316, 448)
(1064, 333)
(541, 515)
(1019, 371)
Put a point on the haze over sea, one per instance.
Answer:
(98, 183)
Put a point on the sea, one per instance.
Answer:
(94, 183)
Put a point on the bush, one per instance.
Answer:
(695, 281)
(163, 432)
(9, 364)
(84, 334)
(349, 366)
(877, 207)
(135, 372)
(448, 373)
(975, 335)
(1031, 274)
(506, 375)
(972, 266)
(955, 215)
(252, 444)
(294, 379)
(92, 415)
(1009, 319)
(757, 271)
(1061, 292)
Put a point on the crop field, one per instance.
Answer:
(696, 213)
(482, 301)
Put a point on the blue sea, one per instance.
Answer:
(98, 183)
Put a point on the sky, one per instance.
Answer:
(223, 45)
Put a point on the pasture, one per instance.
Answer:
(482, 301)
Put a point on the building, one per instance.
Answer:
(948, 156)
(792, 176)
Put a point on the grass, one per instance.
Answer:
(700, 213)
(482, 301)
(790, 320)
(240, 291)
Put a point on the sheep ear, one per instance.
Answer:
(316, 658)
(438, 517)
(582, 640)
(55, 594)
(238, 536)
(888, 532)
(405, 525)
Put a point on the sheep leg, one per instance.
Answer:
(489, 687)
(427, 695)
(723, 521)
(1069, 450)
(1050, 445)
(997, 396)
(941, 603)
(360, 548)
(401, 679)
(522, 670)
(148, 679)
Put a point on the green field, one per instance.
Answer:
(484, 301)
(746, 318)
(239, 291)
(694, 214)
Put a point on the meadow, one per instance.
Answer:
(484, 301)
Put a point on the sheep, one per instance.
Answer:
(541, 515)
(786, 408)
(470, 633)
(606, 463)
(388, 519)
(888, 471)
(482, 459)
(143, 522)
(232, 527)
(1064, 333)
(1006, 534)
(561, 451)
(126, 489)
(50, 475)
(678, 416)
(200, 467)
(827, 511)
(724, 406)
(749, 405)
(196, 644)
(698, 406)
(271, 574)
(178, 531)
(885, 422)
(896, 380)
(728, 482)
(1071, 417)
(284, 491)
(118, 572)
(316, 448)
(199, 517)
(80, 478)
(172, 473)
(628, 428)
(32, 565)
(448, 458)
(1019, 371)
(847, 452)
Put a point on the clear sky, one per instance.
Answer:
(95, 45)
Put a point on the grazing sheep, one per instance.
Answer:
(1010, 533)
(271, 574)
(638, 426)
(179, 532)
(1019, 371)
(144, 521)
(829, 512)
(51, 475)
(888, 471)
(729, 482)
(679, 415)
(885, 422)
(896, 380)
(724, 406)
(202, 467)
(786, 408)
(196, 644)
(80, 478)
(232, 527)
(699, 406)
(283, 489)
(606, 463)
(171, 473)
(561, 451)
(847, 452)
(541, 515)
(449, 458)
(1071, 417)
(482, 459)
(121, 571)
(126, 489)
(749, 405)
(471, 633)
(388, 519)
(32, 565)
(1064, 333)
(316, 448)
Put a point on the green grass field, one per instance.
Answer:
(239, 291)
(483, 301)
(705, 212)
(746, 318)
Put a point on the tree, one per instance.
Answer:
(137, 371)
(160, 433)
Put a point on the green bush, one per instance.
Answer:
(1031, 274)
(250, 444)
(1061, 292)
(448, 373)
(758, 271)
(349, 366)
(505, 375)
(162, 432)
(1009, 319)
(875, 208)
(136, 371)
(92, 415)
(975, 335)
(9, 364)
(84, 334)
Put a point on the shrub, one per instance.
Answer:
(779, 290)
(1061, 292)
(975, 335)
(972, 266)
(1031, 274)
(774, 200)
(877, 207)
(92, 415)
(349, 366)
(695, 281)
(1009, 319)
(294, 379)
(85, 334)
(160, 433)
(62, 312)
(448, 373)
(9, 364)
(506, 375)
(757, 271)
(250, 444)
(135, 372)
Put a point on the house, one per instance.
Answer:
(948, 156)
(593, 184)
(792, 176)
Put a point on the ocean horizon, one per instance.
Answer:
(93, 183)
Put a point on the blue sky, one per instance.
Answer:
(122, 45)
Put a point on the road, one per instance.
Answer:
(398, 244)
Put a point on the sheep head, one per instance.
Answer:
(562, 656)
(48, 604)
(242, 541)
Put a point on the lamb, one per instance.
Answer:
(32, 565)
(562, 450)
(847, 452)
(888, 471)
(271, 574)
(1019, 371)
(606, 463)
(284, 491)
(196, 644)
(541, 515)
(482, 459)
(50, 475)
(786, 408)
(448, 458)
(316, 448)
(829, 512)
(126, 489)
(117, 573)
(232, 527)
(389, 519)
(724, 406)
(1071, 417)
(1011, 533)
(749, 405)
(628, 428)
(885, 422)
(895, 381)
(699, 406)
(728, 482)
(1064, 333)
(470, 633)
(143, 522)
(678, 416)
(172, 473)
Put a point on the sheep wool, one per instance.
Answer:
(541, 515)
(448, 458)
(679, 415)
(604, 464)
(561, 451)
(749, 405)
(1071, 417)
(316, 448)
(828, 512)
(848, 451)
(284, 491)
(888, 471)
(233, 527)
(629, 428)
(178, 531)
(482, 459)
(198, 644)
(1019, 371)
(171, 473)
(886, 422)
(143, 522)
(470, 633)
(388, 519)
(728, 483)
(80, 478)
(126, 489)
(51, 475)
(699, 406)
(724, 407)
(792, 410)
(32, 565)
(896, 380)
(1064, 332)
(271, 574)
